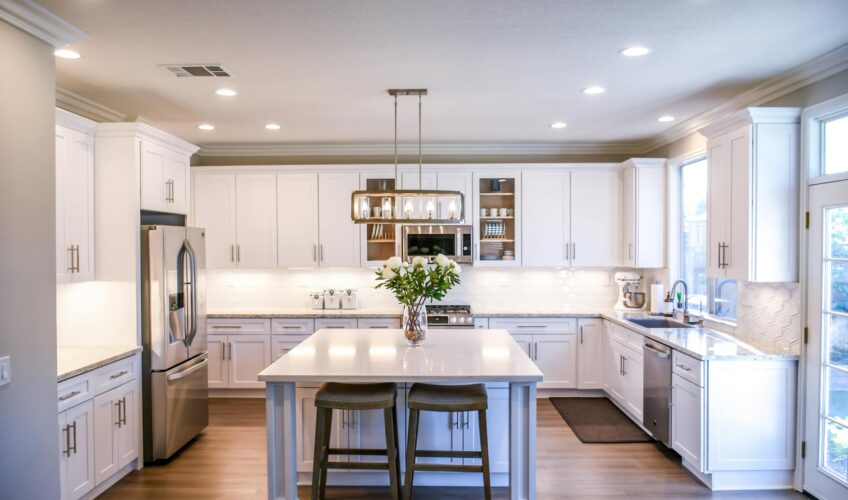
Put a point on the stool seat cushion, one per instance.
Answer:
(432, 397)
(339, 396)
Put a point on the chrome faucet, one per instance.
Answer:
(687, 318)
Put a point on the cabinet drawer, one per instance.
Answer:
(114, 374)
(293, 326)
(239, 325)
(280, 346)
(74, 391)
(335, 323)
(687, 367)
(535, 325)
(628, 338)
(481, 322)
(378, 322)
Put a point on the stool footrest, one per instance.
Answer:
(448, 454)
(357, 451)
(358, 465)
(448, 468)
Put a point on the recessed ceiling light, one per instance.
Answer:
(665, 118)
(226, 92)
(559, 125)
(66, 54)
(206, 126)
(594, 90)
(272, 126)
(635, 51)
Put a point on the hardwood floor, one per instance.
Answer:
(228, 461)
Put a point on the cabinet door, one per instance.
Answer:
(497, 420)
(218, 373)
(650, 217)
(256, 220)
(545, 233)
(628, 215)
(737, 254)
(338, 236)
(106, 419)
(305, 429)
(634, 383)
(590, 361)
(525, 342)
(215, 210)
(366, 429)
(176, 179)
(439, 431)
(615, 372)
(457, 181)
(248, 355)
(718, 203)
(687, 420)
(281, 347)
(80, 464)
(556, 357)
(74, 204)
(595, 221)
(153, 188)
(297, 220)
(63, 459)
(126, 435)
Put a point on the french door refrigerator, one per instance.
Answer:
(175, 356)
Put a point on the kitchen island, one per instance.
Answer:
(465, 356)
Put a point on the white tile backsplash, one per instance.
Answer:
(770, 313)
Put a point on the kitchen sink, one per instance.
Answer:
(658, 323)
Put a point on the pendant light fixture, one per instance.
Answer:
(407, 206)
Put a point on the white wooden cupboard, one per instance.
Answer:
(74, 197)
(551, 343)
(643, 212)
(590, 353)
(238, 350)
(76, 443)
(338, 243)
(624, 380)
(752, 204)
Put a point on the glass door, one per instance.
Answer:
(826, 433)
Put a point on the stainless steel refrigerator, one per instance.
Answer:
(175, 356)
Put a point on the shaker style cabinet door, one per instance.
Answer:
(215, 210)
(77, 450)
(218, 366)
(256, 220)
(595, 225)
(546, 219)
(74, 205)
(176, 180)
(248, 355)
(338, 244)
(297, 220)
(590, 361)
(556, 357)
(154, 190)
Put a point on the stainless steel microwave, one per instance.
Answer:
(429, 241)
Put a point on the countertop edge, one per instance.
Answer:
(130, 351)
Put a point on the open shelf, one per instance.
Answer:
(504, 217)
(497, 193)
(382, 241)
(497, 240)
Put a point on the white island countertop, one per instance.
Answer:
(366, 355)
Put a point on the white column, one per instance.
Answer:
(522, 441)
(282, 445)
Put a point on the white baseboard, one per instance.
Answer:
(744, 480)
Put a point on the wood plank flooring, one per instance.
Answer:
(228, 462)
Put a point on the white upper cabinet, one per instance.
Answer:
(457, 181)
(297, 219)
(338, 244)
(164, 178)
(239, 214)
(74, 197)
(546, 218)
(753, 195)
(595, 220)
(643, 212)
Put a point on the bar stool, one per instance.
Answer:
(338, 396)
(447, 398)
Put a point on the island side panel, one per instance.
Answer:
(522, 441)
(282, 445)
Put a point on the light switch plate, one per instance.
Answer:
(5, 370)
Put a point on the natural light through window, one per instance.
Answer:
(835, 143)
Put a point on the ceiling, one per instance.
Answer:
(497, 71)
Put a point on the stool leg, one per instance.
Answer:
(391, 452)
(411, 444)
(318, 455)
(484, 450)
(397, 449)
(325, 451)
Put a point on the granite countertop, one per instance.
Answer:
(295, 312)
(75, 360)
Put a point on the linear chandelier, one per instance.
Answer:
(407, 206)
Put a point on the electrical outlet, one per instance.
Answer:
(5, 370)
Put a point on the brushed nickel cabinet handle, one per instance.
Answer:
(684, 367)
(230, 353)
(226, 326)
(581, 334)
(69, 395)
(232, 253)
(574, 251)
(119, 374)
(124, 408)
(71, 257)
(315, 252)
(118, 406)
(567, 251)
(67, 431)
(238, 253)
(74, 447)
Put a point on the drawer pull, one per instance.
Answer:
(292, 327)
(684, 367)
(531, 326)
(378, 326)
(226, 326)
(119, 374)
(335, 326)
(69, 395)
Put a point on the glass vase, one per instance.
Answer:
(414, 324)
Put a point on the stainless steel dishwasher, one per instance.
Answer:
(657, 408)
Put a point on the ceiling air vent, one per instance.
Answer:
(184, 70)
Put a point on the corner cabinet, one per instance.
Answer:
(752, 208)
(74, 197)
(643, 212)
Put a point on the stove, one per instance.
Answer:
(449, 316)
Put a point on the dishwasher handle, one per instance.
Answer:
(659, 351)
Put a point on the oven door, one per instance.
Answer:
(430, 241)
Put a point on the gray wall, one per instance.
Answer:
(29, 442)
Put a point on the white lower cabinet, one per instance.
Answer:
(590, 356)
(236, 360)
(687, 409)
(623, 368)
(550, 342)
(115, 430)
(280, 346)
(76, 442)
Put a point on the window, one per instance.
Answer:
(715, 296)
(835, 145)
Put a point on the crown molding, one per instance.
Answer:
(138, 129)
(387, 149)
(818, 69)
(39, 22)
(78, 104)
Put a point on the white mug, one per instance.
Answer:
(505, 212)
(484, 212)
(495, 212)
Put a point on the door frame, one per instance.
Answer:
(811, 175)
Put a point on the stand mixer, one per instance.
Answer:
(628, 298)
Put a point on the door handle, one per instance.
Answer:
(187, 372)
(581, 334)
(315, 252)
(567, 251)
(467, 419)
(536, 351)
(574, 251)
(624, 365)
(74, 447)
(118, 375)
(69, 395)
(321, 252)
(223, 351)
(238, 253)
(67, 431)
(118, 406)
(232, 253)
(230, 351)
(124, 408)
(71, 256)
